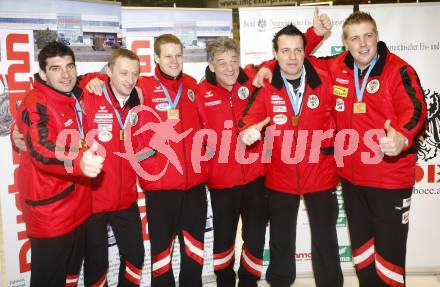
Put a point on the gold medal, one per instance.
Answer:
(82, 143)
(295, 121)
(360, 108)
(122, 135)
(173, 114)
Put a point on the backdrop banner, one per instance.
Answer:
(408, 31)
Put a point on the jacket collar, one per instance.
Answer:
(167, 81)
(210, 77)
(382, 51)
(133, 98)
(312, 77)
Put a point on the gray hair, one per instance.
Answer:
(221, 45)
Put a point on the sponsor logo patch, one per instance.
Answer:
(105, 136)
(340, 91)
(340, 106)
(280, 119)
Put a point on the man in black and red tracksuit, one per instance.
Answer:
(378, 97)
(54, 190)
(297, 104)
(377, 177)
(222, 97)
(175, 190)
(236, 184)
(115, 190)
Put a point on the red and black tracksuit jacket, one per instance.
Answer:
(312, 166)
(54, 200)
(217, 106)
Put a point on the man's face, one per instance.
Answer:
(290, 55)
(226, 67)
(361, 41)
(170, 59)
(124, 75)
(60, 73)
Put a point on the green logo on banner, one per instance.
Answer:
(266, 257)
(345, 253)
(342, 219)
(336, 50)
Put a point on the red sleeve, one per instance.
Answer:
(255, 111)
(200, 105)
(40, 135)
(85, 79)
(313, 40)
(409, 104)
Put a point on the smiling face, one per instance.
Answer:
(361, 40)
(170, 59)
(123, 74)
(60, 73)
(290, 55)
(226, 67)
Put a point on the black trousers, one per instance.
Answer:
(126, 226)
(250, 201)
(181, 213)
(322, 208)
(56, 261)
(378, 227)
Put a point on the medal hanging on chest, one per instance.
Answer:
(361, 107)
(297, 100)
(173, 112)
(122, 126)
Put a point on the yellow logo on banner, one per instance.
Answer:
(340, 91)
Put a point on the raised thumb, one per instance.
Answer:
(94, 147)
(262, 124)
(316, 13)
(387, 126)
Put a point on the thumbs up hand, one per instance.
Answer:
(91, 163)
(321, 23)
(253, 133)
(393, 143)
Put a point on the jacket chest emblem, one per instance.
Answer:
(373, 86)
(191, 96)
(313, 102)
(243, 93)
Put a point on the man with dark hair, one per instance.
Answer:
(375, 90)
(54, 190)
(115, 191)
(297, 104)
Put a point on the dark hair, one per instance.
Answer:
(290, 30)
(51, 50)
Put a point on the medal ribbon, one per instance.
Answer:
(118, 115)
(79, 117)
(360, 91)
(296, 102)
(172, 104)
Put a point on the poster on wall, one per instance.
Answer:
(410, 37)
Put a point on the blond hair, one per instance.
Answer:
(165, 39)
(358, 17)
(121, 53)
